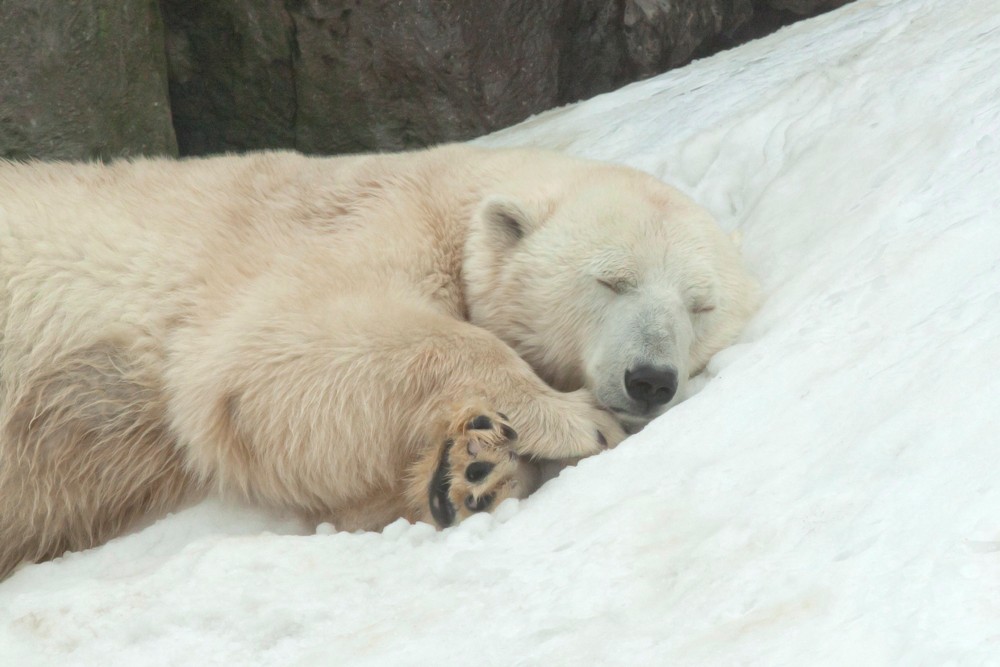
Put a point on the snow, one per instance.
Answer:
(831, 495)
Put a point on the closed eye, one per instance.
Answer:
(617, 285)
(701, 308)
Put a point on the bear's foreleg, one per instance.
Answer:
(345, 408)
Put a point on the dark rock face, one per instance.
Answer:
(335, 76)
(88, 78)
(805, 7)
(662, 34)
(592, 58)
(391, 74)
(232, 84)
(83, 80)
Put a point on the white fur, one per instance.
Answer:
(299, 330)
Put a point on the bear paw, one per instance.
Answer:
(478, 467)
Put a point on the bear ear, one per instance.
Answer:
(506, 219)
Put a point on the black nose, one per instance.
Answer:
(651, 385)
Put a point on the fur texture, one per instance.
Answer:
(355, 338)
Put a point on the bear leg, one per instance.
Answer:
(330, 405)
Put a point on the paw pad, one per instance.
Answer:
(478, 470)
(477, 467)
(441, 508)
(478, 505)
(481, 423)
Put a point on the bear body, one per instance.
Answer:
(355, 338)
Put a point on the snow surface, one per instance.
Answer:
(830, 496)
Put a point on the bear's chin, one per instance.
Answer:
(631, 423)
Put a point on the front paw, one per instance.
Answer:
(572, 427)
(609, 430)
(477, 468)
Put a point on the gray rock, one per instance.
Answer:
(232, 84)
(335, 76)
(805, 7)
(87, 78)
(83, 80)
(393, 74)
(592, 55)
(662, 34)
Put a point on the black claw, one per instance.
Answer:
(478, 505)
(476, 472)
(508, 432)
(481, 423)
(441, 508)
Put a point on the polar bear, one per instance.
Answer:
(354, 338)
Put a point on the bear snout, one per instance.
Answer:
(651, 386)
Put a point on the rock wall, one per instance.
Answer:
(89, 78)
(83, 79)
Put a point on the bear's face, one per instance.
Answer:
(626, 288)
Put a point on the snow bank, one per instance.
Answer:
(830, 496)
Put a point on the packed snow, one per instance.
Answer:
(831, 495)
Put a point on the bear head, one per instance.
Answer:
(606, 278)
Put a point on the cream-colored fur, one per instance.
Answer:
(312, 332)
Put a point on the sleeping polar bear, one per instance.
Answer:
(356, 338)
